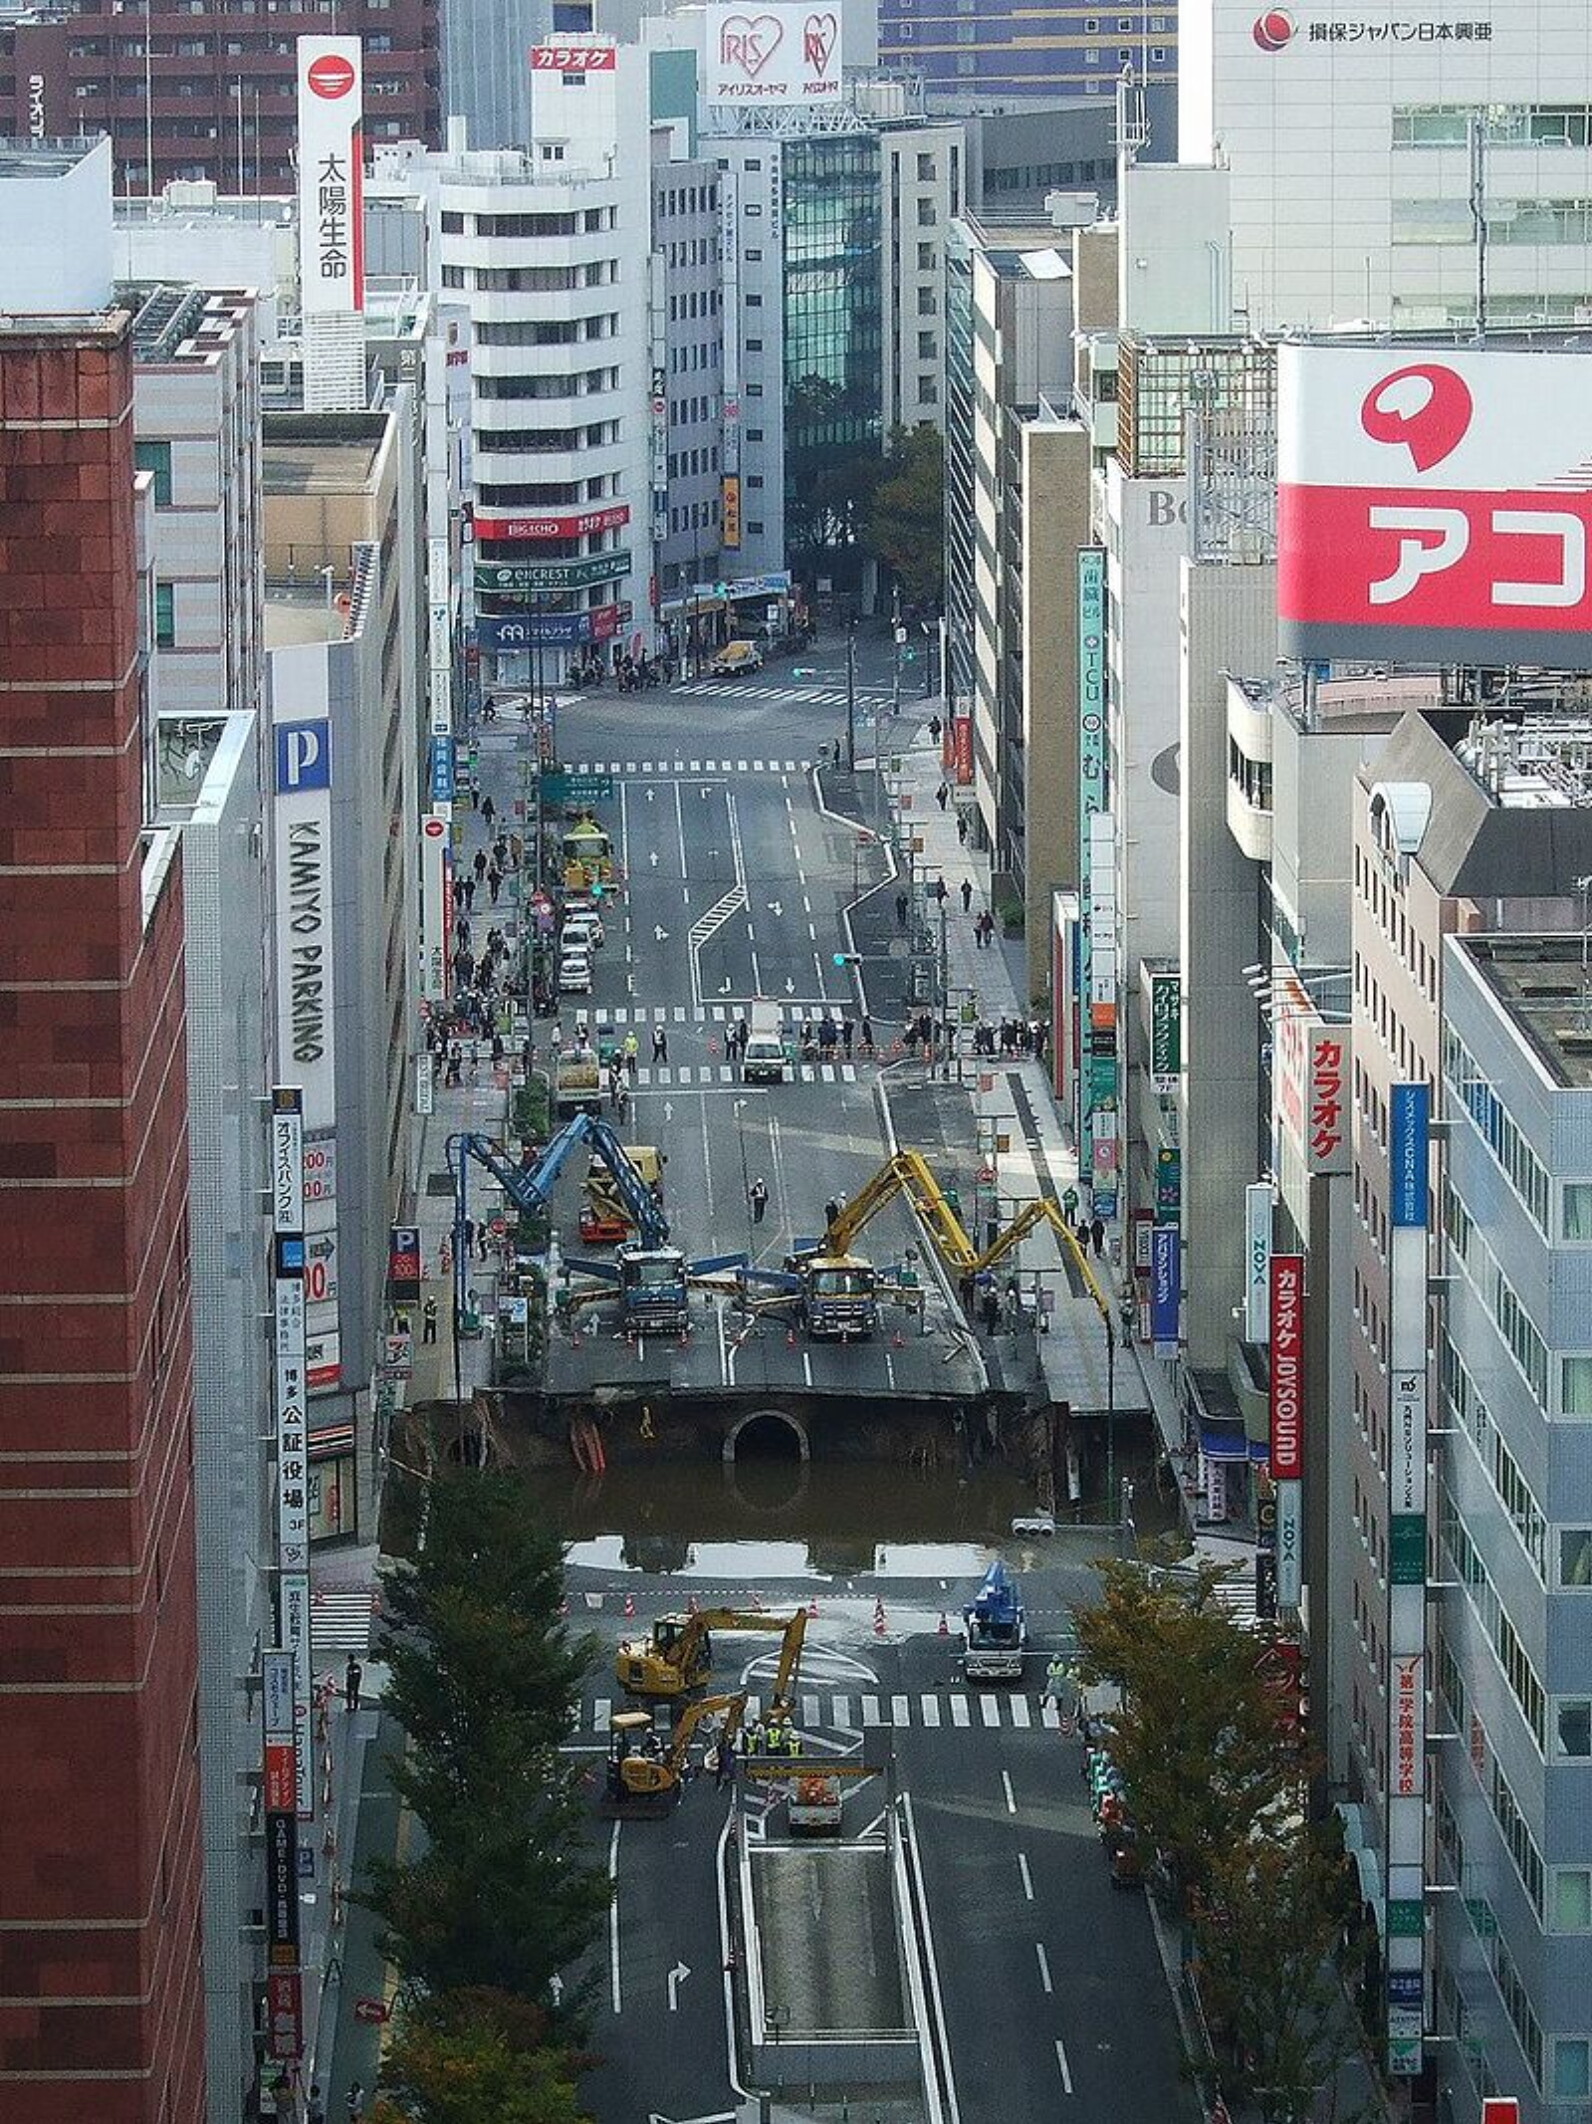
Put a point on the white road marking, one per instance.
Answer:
(1006, 1787)
(1061, 2060)
(616, 1993)
(1027, 1877)
(1021, 1714)
(990, 1710)
(870, 1711)
(959, 1711)
(900, 1715)
(930, 1707)
(1044, 1968)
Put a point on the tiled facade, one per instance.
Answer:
(100, 1961)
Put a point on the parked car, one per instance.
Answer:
(574, 973)
(582, 932)
(735, 658)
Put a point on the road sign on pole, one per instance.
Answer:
(561, 788)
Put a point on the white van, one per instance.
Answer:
(764, 1061)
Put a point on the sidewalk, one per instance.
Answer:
(344, 1977)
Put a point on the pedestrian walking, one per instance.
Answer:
(990, 1309)
(935, 727)
(356, 2103)
(479, 865)
(660, 1044)
(483, 1241)
(1055, 1677)
(846, 1037)
(757, 1195)
(622, 1103)
(632, 1055)
(724, 1768)
(353, 1675)
(939, 890)
(1097, 1232)
(469, 1222)
(967, 895)
(428, 1321)
(902, 904)
(961, 827)
(867, 1035)
(488, 812)
(316, 2113)
(942, 795)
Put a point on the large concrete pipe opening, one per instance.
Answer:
(766, 1435)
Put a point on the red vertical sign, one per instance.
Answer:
(1287, 1367)
(963, 727)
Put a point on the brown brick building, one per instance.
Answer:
(214, 93)
(101, 1990)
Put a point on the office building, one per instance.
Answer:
(1480, 842)
(548, 255)
(1002, 51)
(99, 1739)
(1510, 1650)
(686, 398)
(208, 94)
(921, 180)
(1349, 143)
(345, 627)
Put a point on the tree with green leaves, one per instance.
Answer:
(1198, 1737)
(1269, 1924)
(469, 2067)
(905, 521)
(485, 1681)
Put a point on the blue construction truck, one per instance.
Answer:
(994, 1629)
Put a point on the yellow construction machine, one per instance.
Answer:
(679, 1653)
(642, 1766)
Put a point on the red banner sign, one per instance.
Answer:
(281, 1783)
(963, 727)
(579, 525)
(1287, 1367)
(284, 2010)
(573, 58)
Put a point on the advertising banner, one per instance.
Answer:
(1290, 1543)
(772, 53)
(284, 2007)
(552, 629)
(962, 736)
(1409, 1134)
(1166, 1030)
(1166, 1288)
(1432, 505)
(577, 56)
(434, 907)
(1258, 1201)
(1311, 1078)
(443, 783)
(281, 1890)
(524, 578)
(1287, 1367)
(331, 184)
(579, 524)
(303, 836)
(730, 510)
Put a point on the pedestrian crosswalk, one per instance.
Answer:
(341, 1619)
(807, 696)
(651, 769)
(860, 1711)
(665, 1077)
(793, 1008)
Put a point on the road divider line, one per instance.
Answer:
(1006, 1787)
(1044, 1968)
(1027, 1877)
(1066, 2070)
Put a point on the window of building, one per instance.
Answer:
(165, 616)
(752, 212)
(754, 255)
(156, 457)
(1576, 1385)
(1572, 1729)
(1572, 1899)
(754, 530)
(754, 435)
(928, 346)
(928, 214)
(1575, 1559)
(1575, 1217)
(453, 276)
(925, 169)
(1092, 57)
(453, 224)
(1158, 55)
(1572, 2067)
(926, 258)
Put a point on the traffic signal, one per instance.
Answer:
(846, 958)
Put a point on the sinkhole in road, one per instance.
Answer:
(767, 1435)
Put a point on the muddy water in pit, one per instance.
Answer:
(782, 1517)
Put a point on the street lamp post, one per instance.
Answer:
(851, 697)
(746, 1185)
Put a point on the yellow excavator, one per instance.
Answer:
(678, 1655)
(909, 1173)
(641, 1766)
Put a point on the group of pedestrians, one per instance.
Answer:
(1012, 1038)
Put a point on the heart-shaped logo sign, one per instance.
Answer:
(818, 41)
(748, 42)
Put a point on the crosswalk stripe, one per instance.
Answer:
(1050, 1715)
(899, 1714)
(990, 1706)
(842, 1709)
(602, 1711)
(679, 1014)
(930, 1706)
(1020, 1712)
(870, 1711)
(342, 1619)
(873, 1712)
(809, 1711)
(726, 1074)
(960, 1715)
(753, 1711)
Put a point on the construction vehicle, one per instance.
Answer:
(577, 1080)
(641, 1766)
(678, 1655)
(605, 1218)
(651, 1274)
(588, 858)
(995, 1629)
(813, 1798)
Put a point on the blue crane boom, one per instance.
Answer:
(530, 1187)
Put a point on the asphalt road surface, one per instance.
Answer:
(1046, 1981)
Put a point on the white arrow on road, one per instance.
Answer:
(724, 986)
(790, 986)
(649, 796)
(677, 1976)
(653, 858)
(660, 934)
(555, 1985)
(719, 2116)
(668, 1109)
(775, 908)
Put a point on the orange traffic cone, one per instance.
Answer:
(691, 1605)
(878, 1618)
(630, 1607)
(812, 1611)
(945, 1627)
(790, 1338)
(898, 1340)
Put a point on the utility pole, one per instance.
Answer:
(851, 696)
(898, 636)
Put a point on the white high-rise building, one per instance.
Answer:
(548, 250)
(1355, 133)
